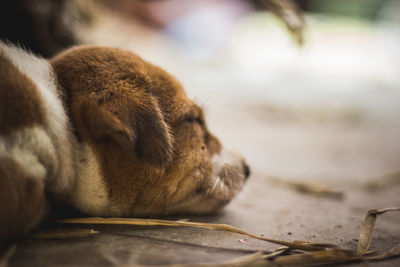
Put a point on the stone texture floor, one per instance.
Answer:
(292, 122)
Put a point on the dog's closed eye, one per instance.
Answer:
(193, 119)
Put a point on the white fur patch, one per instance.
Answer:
(90, 194)
(52, 152)
(57, 126)
(29, 148)
(225, 157)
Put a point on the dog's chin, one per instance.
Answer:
(223, 185)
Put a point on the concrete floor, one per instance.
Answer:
(334, 130)
(264, 208)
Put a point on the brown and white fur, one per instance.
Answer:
(108, 133)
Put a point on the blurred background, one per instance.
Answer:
(327, 109)
(318, 123)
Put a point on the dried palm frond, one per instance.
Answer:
(293, 253)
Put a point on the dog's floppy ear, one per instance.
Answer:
(109, 102)
(130, 122)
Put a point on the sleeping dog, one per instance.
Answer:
(108, 133)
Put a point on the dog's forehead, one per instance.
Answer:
(107, 67)
(170, 94)
(142, 73)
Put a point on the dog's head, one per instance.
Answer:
(150, 140)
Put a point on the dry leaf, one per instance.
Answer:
(256, 259)
(64, 234)
(289, 13)
(277, 252)
(379, 255)
(365, 239)
(317, 190)
(306, 253)
(317, 257)
(154, 222)
(310, 188)
(383, 181)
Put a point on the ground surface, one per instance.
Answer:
(295, 123)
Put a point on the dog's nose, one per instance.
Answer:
(246, 170)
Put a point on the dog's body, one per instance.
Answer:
(103, 130)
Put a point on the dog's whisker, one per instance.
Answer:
(221, 184)
(207, 100)
(207, 192)
(217, 179)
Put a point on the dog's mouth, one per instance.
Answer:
(227, 179)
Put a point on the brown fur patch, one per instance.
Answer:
(20, 102)
(22, 200)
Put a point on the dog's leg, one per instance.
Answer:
(22, 200)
